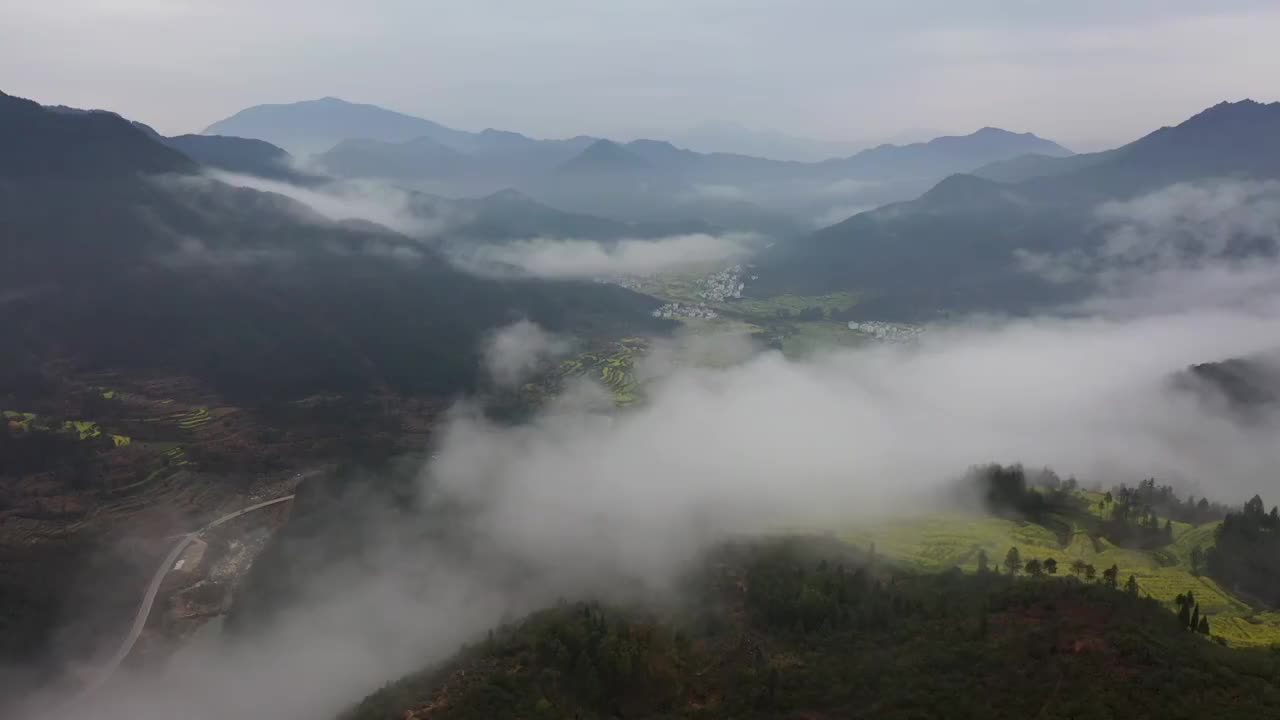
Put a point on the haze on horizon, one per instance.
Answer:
(1089, 74)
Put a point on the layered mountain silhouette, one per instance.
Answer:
(316, 125)
(946, 155)
(239, 155)
(954, 247)
(641, 180)
(605, 156)
(117, 255)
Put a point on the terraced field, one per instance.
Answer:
(187, 419)
(939, 542)
(30, 422)
(612, 366)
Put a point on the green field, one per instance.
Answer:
(781, 306)
(684, 288)
(938, 542)
(805, 338)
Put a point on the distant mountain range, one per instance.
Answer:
(954, 247)
(731, 137)
(637, 180)
(317, 125)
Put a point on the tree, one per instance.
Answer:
(1184, 615)
(1203, 628)
(1110, 576)
(984, 563)
(1168, 531)
(1131, 587)
(1034, 568)
(1197, 556)
(1077, 567)
(1090, 572)
(1051, 566)
(1195, 618)
(1013, 561)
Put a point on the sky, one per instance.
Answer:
(1089, 74)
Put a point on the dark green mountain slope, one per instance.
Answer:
(109, 266)
(807, 630)
(239, 155)
(954, 247)
(37, 143)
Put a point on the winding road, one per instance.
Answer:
(144, 610)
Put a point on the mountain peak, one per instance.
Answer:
(312, 126)
(1233, 112)
(36, 141)
(995, 132)
(604, 156)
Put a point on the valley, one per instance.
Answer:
(336, 411)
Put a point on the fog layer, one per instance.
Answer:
(585, 500)
(584, 258)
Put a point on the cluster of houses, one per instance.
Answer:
(888, 332)
(724, 285)
(685, 311)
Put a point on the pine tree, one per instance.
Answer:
(984, 563)
(1013, 561)
(1051, 566)
(1090, 572)
(1197, 556)
(1195, 618)
(1131, 587)
(1184, 615)
(1034, 568)
(1203, 628)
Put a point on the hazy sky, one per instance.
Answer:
(1087, 73)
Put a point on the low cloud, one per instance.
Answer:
(367, 200)
(838, 214)
(719, 192)
(513, 353)
(554, 258)
(586, 500)
(590, 501)
(194, 253)
(1191, 222)
(1178, 247)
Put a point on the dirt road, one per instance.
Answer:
(144, 610)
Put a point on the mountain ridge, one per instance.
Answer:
(959, 237)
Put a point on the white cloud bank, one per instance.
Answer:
(573, 258)
(588, 501)
(514, 352)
